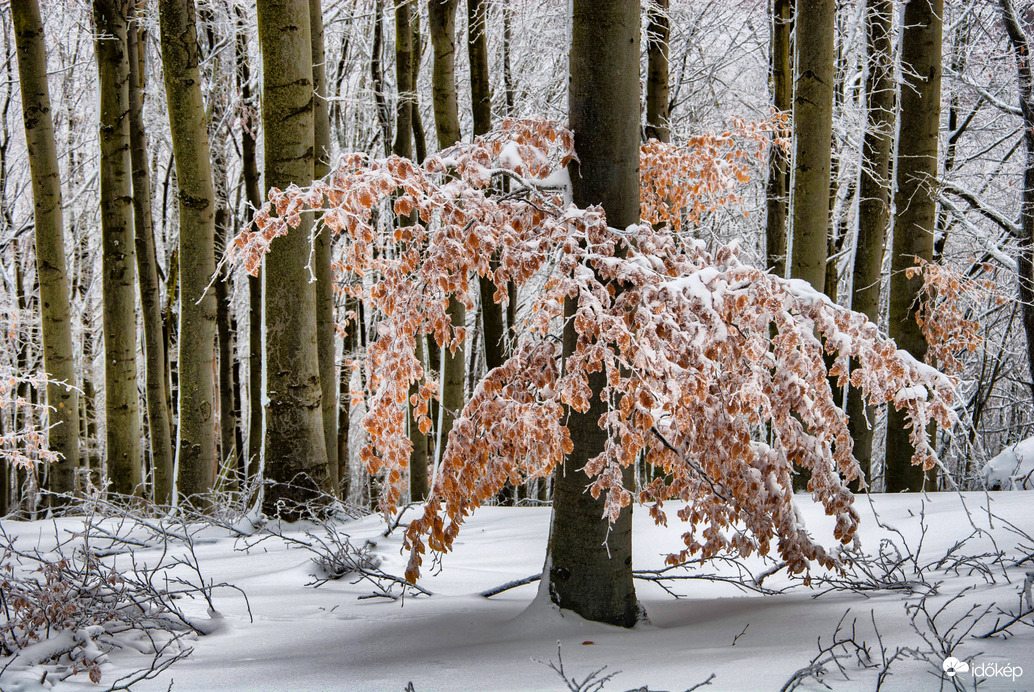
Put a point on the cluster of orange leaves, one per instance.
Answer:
(692, 371)
(942, 313)
(681, 183)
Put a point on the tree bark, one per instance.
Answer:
(155, 367)
(812, 131)
(658, 28)
(916, 209)
(295, 453)
(325, 327)
(419, 138)
(121, 404)
(196, 439)
(253, 194)
(1025, 258)
(874, 202)
(589, 565)
(778, 190)
(442, 18)
(56, 316)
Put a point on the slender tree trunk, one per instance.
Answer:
(295, 450)
(56, 316)
(658, 28)
(377, 75)
(252, 192)
(403, 146)
(442, 18)
(345, 409)
(813, 131)
(507, 71)
(589, 565)
(419, 138)
(874, 202)
(477, 52)
(325, 328)
(121, 404)
(196, 440)
(916, 209)
(1025, 259)
(224, 339)
(158, 423)
(778, 192)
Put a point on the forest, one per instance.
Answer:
(329, 323)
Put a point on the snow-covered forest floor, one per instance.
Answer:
(942, 570)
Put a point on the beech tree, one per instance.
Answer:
(815, 22)
(121, 403)
(873, 200)
(294, 453)
(915, 213)
(197, 434)
(62, 399)
(159, 424)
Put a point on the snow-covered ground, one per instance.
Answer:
(1013, 467)
(299, 637)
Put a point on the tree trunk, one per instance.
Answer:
(442, 18)
(1025, 259)
(874, 202)
(377, 76)
(812, 131)
(403, 146)
(158, 423)
(196, 440)
(56, 316)
(419, 138)
(589, 565)
(252, 192)
(916, 209)
(224, 340)
(295, 452)
(778, 191)
(325, 328)
(121, 404)
(658, 28)
(477, 52)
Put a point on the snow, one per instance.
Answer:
(1013, 467)
(307, 638)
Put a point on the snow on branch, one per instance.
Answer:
(701, 352)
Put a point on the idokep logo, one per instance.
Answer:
(953, 666)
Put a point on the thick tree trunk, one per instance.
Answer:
(778, 190)
(589, 565)
(812, 131)
(253, 193)
(874, 202)
(295, 453)
(56, 316)
(1025, 259)
(916, 209)
(121, 403)
(442, 18)
(155, 365)
(196, 439)
(658, 28)
(325, 328)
